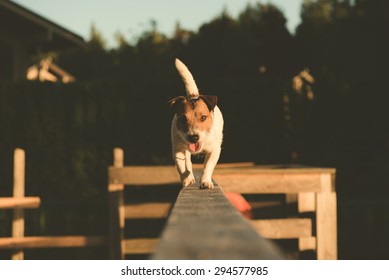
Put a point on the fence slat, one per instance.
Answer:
(284, 228)
(140, 245)
(116, 211)
(18, 192)
(19, 202)
(51, 241)
(143, 175)
(147, 210)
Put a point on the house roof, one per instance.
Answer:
(19, 25)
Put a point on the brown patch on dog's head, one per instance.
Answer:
(194, 116)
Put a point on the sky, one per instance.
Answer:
(132, 17)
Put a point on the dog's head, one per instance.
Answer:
(194, 119)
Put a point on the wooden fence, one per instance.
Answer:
(312, 189)
(199, 214)
(18, 242)
(201, 224)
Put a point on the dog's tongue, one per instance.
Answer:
(194, 147)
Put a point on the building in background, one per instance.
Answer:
(26, 36)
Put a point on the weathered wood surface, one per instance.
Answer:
(204, 225)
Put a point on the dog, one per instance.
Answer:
(197, 128)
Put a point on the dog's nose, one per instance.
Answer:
(193, 138)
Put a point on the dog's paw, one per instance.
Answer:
(187, 181)
(206, 185)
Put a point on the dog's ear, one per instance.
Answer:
(175, 102)
(210, 100)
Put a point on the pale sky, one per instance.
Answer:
(132, 17)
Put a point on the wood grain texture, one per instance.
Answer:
(204, 225)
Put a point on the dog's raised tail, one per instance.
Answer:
(190, 85)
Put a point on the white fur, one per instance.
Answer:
(190, 84)
(211, 142)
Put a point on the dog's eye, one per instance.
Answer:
(203, 118)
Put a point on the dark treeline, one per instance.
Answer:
(120, 99)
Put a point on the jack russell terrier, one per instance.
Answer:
(197, 128)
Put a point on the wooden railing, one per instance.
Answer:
(18, 241)
(201, 224)
(313, 189)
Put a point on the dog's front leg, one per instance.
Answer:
(184, 167)
(209, 165)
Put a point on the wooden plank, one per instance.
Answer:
(268, 182)
(147, 210)
(326, 219)
(116, 212)
(204, 225)
(226, 165)
(326, 228)
(51, 241)
(306, 202)
(259, 169)
(307, 243)
(283, 228)
(19, 202)
(143, 175)
(140, 245)
(18, 192)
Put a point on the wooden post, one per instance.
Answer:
(326, 229)
(117, 211)
(18, 191)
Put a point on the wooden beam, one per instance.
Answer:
(258, 169)
(147, 210)
(51, 241)
(19, 202)
(226, 165)
(18, 192)
(306, 202)
(143, 175)
(261, 183)
(140, 245)
(283, 228)
(116, 211)
(204, 225)
(326, 220)
(307, 243)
